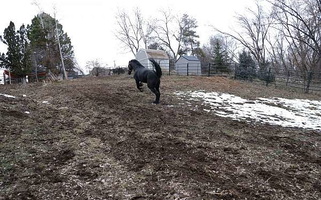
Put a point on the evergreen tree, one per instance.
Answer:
(220, 56)
(44, 42)
(37, 46)
(246, 69)
(38, 43)
(18, 53)
(189, 36)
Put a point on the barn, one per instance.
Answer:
(160, 56)
(188, 65)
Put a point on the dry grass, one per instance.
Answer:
(102, 139)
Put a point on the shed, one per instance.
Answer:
(159, 56)
(188, 65)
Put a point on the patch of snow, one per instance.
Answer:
(7, 95)
(300, 113)
(27, 112)
(63, 108)
(45, 102)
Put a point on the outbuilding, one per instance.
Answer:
(188, 65)
(161, 57)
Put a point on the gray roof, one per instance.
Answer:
(191, 58)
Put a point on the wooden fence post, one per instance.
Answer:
(187, 69)
(310, 73)
(287, 78)
(268, 77)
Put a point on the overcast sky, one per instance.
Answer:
(91, 23)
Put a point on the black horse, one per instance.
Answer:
(144, 75)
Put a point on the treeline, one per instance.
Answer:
(38, 47)
(176, 35)
(282, 37)
(278, 35)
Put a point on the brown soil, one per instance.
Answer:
(100, 138)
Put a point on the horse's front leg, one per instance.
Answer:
(139, 85)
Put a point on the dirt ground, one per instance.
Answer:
(100, 138)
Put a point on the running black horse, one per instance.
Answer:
(144, 75)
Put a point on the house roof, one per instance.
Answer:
(191, 58)
(156, 54)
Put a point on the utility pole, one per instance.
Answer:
(58, 40)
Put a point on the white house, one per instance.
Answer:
(188, 65)
(159, 56)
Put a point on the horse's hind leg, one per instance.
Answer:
(139, 85)
(157, 94)
(157, 97)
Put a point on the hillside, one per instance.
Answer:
(100, 138)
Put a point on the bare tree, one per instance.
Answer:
(133, 32)
(96, 67)
(65, 76)
(176, 35)
(300, 23)
(278, 53)
(166, 35)
(253, 35)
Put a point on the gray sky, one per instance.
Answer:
(91, 23)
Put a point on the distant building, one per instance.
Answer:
(100, 71)
(159, 56)
(188, 65)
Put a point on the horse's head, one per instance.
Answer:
(133, 65)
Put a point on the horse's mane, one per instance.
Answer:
(135, 63)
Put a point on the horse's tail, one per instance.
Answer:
(157, 67)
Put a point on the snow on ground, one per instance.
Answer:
(7, 95)
(299, 113)
(13, 97)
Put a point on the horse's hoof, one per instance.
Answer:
(156, 102)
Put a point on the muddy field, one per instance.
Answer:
(100, 138)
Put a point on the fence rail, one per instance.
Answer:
(201, 70)
(306, 81)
